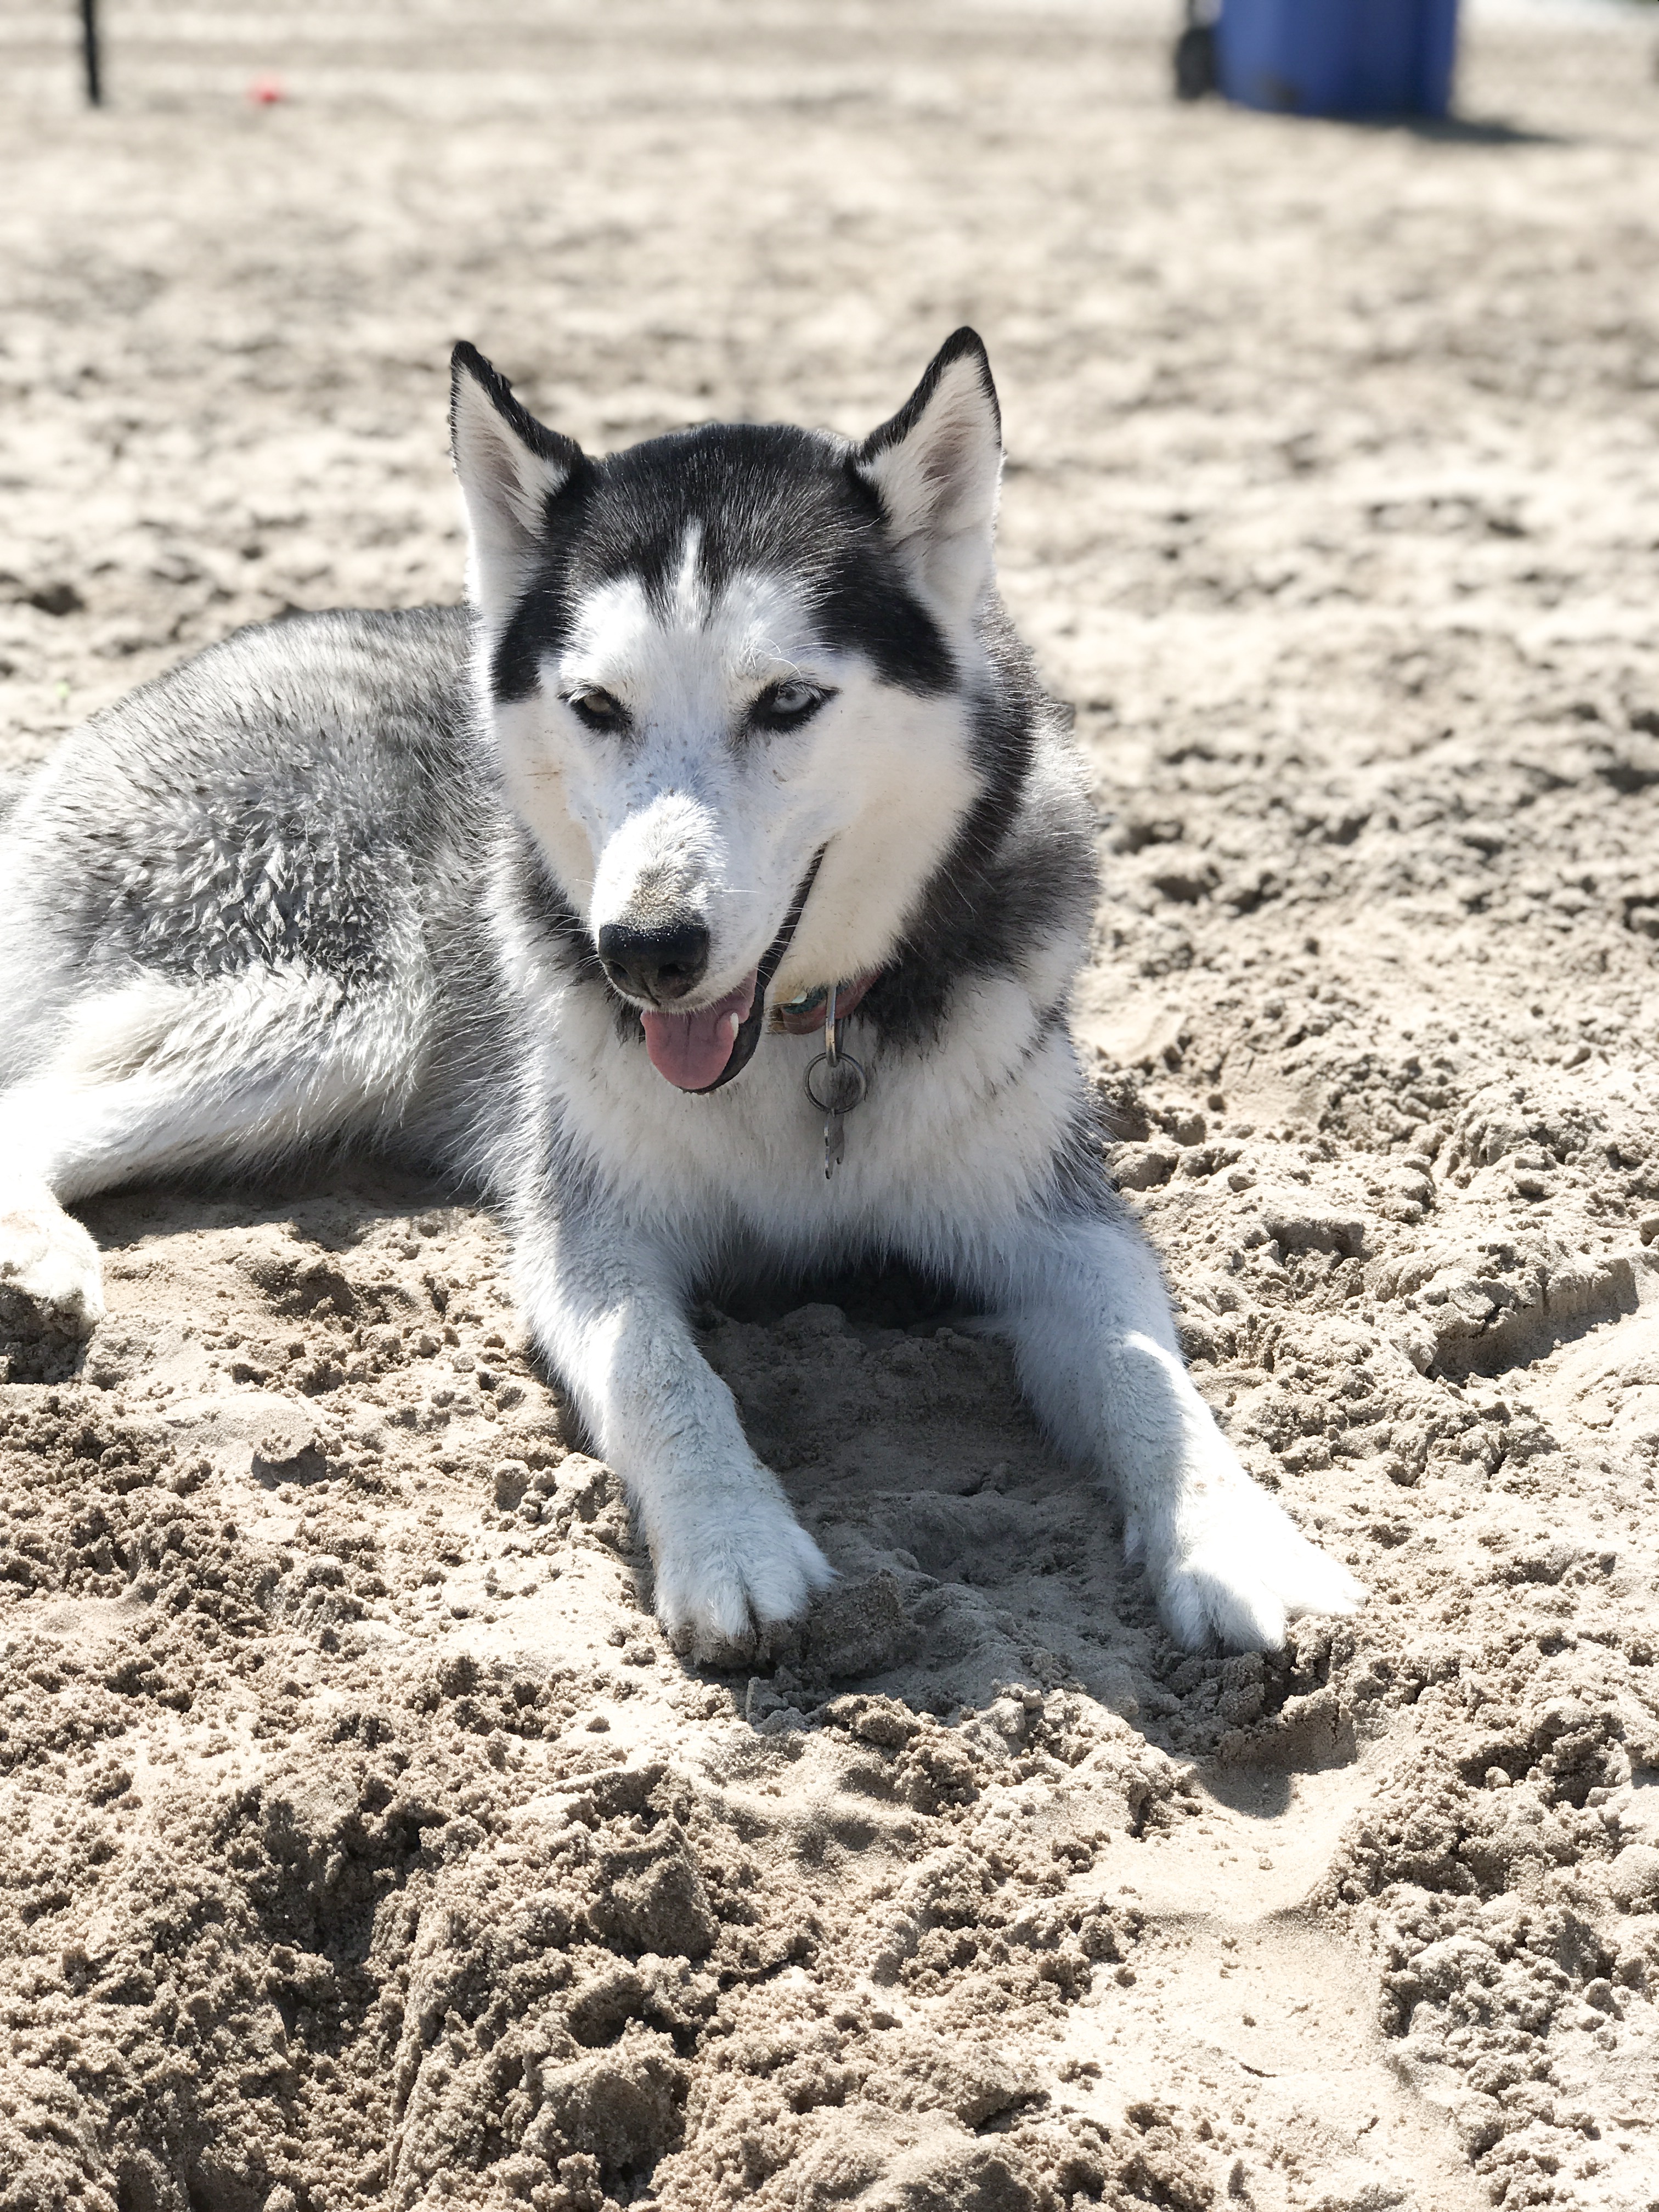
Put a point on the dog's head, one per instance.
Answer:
(723, 658)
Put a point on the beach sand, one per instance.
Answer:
(362, 1841)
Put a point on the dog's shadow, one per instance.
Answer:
(971, 1555)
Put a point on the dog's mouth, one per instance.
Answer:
(700, 1051)
(694, 1051)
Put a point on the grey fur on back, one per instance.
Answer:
(310, 791)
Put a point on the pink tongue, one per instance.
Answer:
(692, 1049)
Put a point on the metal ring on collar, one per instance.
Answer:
(847, 1085)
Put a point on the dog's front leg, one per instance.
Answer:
(1087, 1308)
(730, 1558)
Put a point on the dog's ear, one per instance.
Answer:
(509, 465)
(936, 467)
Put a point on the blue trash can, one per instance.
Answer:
(1338, 57)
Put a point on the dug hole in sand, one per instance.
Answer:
(361, 1842)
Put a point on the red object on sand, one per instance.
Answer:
(265, 92)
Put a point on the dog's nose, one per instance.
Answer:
(659, 965)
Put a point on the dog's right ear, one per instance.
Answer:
(510, 465)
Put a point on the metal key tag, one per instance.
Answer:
(839, 1090)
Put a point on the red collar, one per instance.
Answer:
(800, 1017)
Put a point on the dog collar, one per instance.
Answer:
(800, 1017)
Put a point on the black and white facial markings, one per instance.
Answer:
(718, 654)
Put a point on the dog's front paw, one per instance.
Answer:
(51, 1284)
(1237, 1569)
(726, 1578)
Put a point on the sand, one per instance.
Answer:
(361, 1843)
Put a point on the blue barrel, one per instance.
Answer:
(1338, 57)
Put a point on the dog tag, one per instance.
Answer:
(837, 1089)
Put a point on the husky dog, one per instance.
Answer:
(709, 892)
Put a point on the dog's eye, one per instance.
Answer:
(787, 703)
(599, 710)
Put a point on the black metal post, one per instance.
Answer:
(89, 48)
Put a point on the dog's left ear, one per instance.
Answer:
(936, 467)
(510, 465)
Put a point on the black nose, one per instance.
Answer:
(659, 965)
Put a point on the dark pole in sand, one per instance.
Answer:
(89, 47)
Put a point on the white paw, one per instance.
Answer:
(1238, 1568)
(736, 1570)
(51, 1283)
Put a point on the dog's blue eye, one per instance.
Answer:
(597, 710)
(788, 702)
